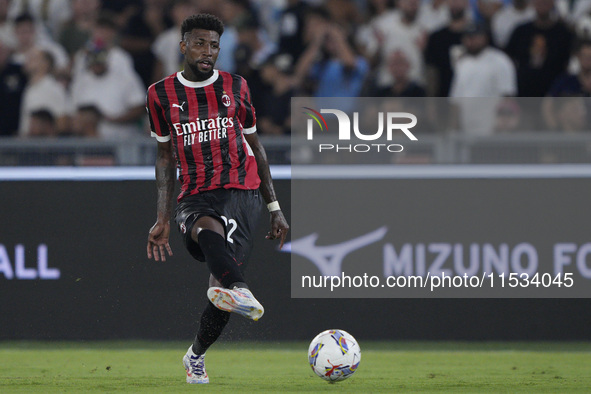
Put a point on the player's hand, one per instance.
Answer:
(158, 241)
(279, 227)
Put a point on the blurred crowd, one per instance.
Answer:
(82, 67)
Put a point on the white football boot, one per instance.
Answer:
(237, 300)
(195, 367)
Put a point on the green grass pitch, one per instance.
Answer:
(274, 367)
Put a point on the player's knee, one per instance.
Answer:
(206, 223)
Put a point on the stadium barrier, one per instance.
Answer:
(73, 266)
(520, 148)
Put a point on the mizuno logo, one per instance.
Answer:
(178, 106)
(328, 259)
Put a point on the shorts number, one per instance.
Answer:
(233, 225)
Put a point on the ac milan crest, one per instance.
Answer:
(226, 100)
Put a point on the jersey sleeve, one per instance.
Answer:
(247, 115)
(158, 126)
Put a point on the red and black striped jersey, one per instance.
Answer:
(206, 122)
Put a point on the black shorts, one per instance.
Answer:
(238, 211)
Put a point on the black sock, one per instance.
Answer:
(213, 321)
(220, 262)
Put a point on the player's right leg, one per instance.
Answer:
(233, 295)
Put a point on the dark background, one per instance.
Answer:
(96, 235)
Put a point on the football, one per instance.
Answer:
(334, 355)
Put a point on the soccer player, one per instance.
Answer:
(205, 125)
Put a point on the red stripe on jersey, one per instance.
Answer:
(216, 152)
(252, 179)
(174, 117)
(233, 149)
(243, 98)
(248, 116)
(153, 98)
(193, 110)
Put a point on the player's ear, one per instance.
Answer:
(183, 46)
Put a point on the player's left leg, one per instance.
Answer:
(216, 315)
(212, 323)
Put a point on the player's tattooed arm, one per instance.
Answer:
(279, 226)
(165, 176)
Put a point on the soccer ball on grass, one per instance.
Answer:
(334, 355)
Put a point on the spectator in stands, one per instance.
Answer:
(508, 18)
(43, 92)
(269, 13)
(139, 34)
(121, 10)
(291, 34)
(250, 34)
(571, 114)
(243, 55)
(568, 84)
(442, 47)
(273, 117)
(582, 30)
(378, 11)
(434, 14)
(48, 14)
(487, 9)
(248, 54)
(117, 92)
(402, 86)
(104, 36)
(77, 31)
(86, 121)
(234, 13)
(481, 72)
(27, 38)
(166, 47)
(42, 124)
(6, 26)
(12, 85)
(572, 11)
(578, 84)
(344, 13)
(508, 118)
(330, 61)
(540, 49)
(398, 30)
(252, 51)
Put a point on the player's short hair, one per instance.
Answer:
(202, 21)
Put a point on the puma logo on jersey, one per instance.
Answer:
(178, 106)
